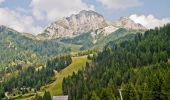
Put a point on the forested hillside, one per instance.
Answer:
(139, 68)
(17, 50)
(32, 78)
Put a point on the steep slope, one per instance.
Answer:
(84, 21)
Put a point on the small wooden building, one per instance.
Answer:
(60, 97)
(169, 60)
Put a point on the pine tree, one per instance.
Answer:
(130, 93)
(94, 96)
(107, 94)
(145, 93)
(47, 96)
(38, 97)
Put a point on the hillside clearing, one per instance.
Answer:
(77, 64)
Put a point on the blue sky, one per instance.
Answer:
(34, 15)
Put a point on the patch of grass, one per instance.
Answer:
(77, 64)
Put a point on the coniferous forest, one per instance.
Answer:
(139, 69)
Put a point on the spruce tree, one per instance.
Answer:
(47, 96)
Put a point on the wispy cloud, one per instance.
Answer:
(120, 4)
(149, 21)
(18, 21)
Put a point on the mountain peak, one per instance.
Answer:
(127, 23)
(84, 21)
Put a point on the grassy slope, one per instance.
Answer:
(55, 88)
(78, 63)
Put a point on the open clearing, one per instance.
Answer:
(77, 64)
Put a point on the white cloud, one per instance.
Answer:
(17, 21)
(120, 4)
(1, 1)
(54, 9)
(149, 21)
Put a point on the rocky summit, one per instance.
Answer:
(84, 21)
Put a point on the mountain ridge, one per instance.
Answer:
(87, 21)
(84, 22)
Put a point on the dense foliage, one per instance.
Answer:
(140, 68)
(84, 39)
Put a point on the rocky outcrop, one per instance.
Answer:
(127, 23)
